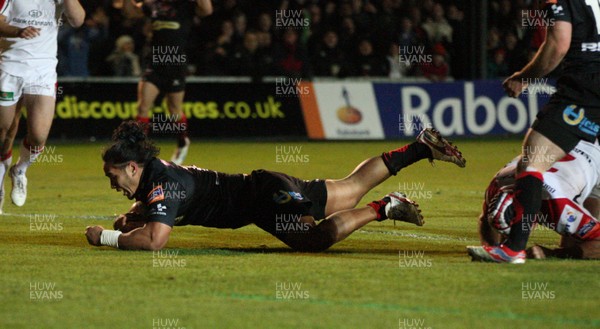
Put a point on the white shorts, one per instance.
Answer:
(13, 87)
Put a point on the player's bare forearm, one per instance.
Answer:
(205, 7)
(135, 218)
(74, 12)
(569, 248)
(153, 236)
(9, 31)
(551, 53)
(128, 222)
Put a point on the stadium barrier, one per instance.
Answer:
(215, 108)
(322, 109)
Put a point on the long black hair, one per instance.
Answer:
(130, 143)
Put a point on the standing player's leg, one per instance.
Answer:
(175, 105)
(147, 93)
(40, 112)
(11, 88)
(8, 117)
(539, 154)
(8, 139)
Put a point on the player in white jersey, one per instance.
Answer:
(568, 185)
(28, 50)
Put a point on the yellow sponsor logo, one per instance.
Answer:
(281, 197)
(571, 117)
(72, 108)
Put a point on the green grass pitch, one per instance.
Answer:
(383, 276)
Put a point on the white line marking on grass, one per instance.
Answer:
(414, 235)
(89, 217)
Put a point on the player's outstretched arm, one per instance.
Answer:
(205, 7)
(153, 236)
(9, 31)
(580, 250)
(74, 13)
(135, 218)
(550, 54)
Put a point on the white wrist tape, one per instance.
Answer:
(110, 238)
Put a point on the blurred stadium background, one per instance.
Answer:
(300, 68)
(266, 80)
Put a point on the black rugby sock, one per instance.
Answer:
(528, 196)
(405, 156)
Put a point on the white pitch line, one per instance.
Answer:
(60, 216)
(414, 235)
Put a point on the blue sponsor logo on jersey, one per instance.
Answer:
(577, 118)
(296, 195)
(571, 217)
(157, 194)
(586, 228)
(282, 196)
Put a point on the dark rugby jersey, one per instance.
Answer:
(584, 53)
(171, 24)
(176, 195)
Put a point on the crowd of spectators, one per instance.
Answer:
(516, 29)
(304, 38)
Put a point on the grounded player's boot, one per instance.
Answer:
(181, 151)
(499, 254)
(396, 206)
(19, 186)
(441, 149)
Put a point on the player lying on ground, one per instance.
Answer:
(287, 207)
(571, 182)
